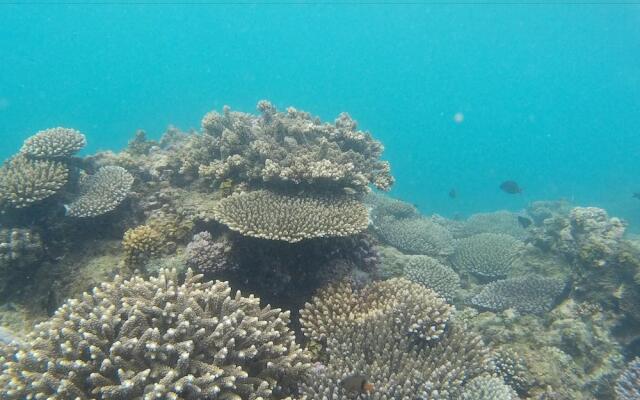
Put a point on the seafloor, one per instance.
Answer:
(339, 283)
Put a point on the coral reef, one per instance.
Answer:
(487, 255)
(158, 338)
(487, 387)
(503, 222)
(19, 247)
(530, 294)
(291, 148)
(628, 384)
(54, 143)
(383, 205)
(512, 368)
(141, 243)
(101, 193)
(268, 215)
(370, 333)
(205, 255)
(416, 236)
(24, 182)
(431, 273)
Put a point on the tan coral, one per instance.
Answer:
(101, 193)
(24, 182)
(141, 243)
(275, 216)
(54, 143)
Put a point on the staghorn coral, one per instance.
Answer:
(531, 294)
(431, 273)
(274, 216)
(24, 182)
(416, 236)
(141, 243)
(488, 255)
(370, 332)
(206, 255)
(628, 384)
(504, 222)
(101, 193)
(488, 387)
(54, 143)
(292, 148)
(157, 338)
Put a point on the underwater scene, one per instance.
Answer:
(319, 201)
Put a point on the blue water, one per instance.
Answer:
(550, 93)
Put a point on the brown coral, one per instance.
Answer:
(275, 216)
(141, 243)
(24, 182)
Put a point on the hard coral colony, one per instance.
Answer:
(368, 297)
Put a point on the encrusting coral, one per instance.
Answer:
(269, 215)
(373, 332)
(292, 148)
(431, 273)
(415, 235)
(157, 339)
(24, 182)
(54, 143)
(529, 294)
(101, 193)
(487, 255)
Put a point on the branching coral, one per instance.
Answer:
(431, 273)
(530, 294)
(54, 143)
(416, 236)
(101, 193)
(628, 384)
(269, 215)
(24, 182)
(488, 255)
(293, 148)
(488, 387)
(155, 339)
(388, 206)
(19, 247)
(371, 333)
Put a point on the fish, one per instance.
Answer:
(357, 384)
(636, 195)
(524, 221)
(510, 187)
(453, 193)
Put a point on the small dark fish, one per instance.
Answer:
(510, 187)
(356, 384)
(636, 195)
(453, 193)
(524, 221)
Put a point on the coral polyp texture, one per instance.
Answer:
(488, 387)
(416, 236)
(101, 193)
(24, 182)
(157, 339)
(495, 222)
(530, 294)
(54, 143)
(142, 243)
(293, 148)
(488, 255)
(628, 384)
(206, 255)
(431, 273)
(291, 218)
(370, 332)
(388, 206)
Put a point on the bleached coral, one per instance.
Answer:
(54, 143)
(370, 332)
(157, 338)
(431, 273)
(101, 193)
(488, 255)
(24, 182)
(291, 218)
(416, 236)
(530, 294)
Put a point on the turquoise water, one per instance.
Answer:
(550, 93)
